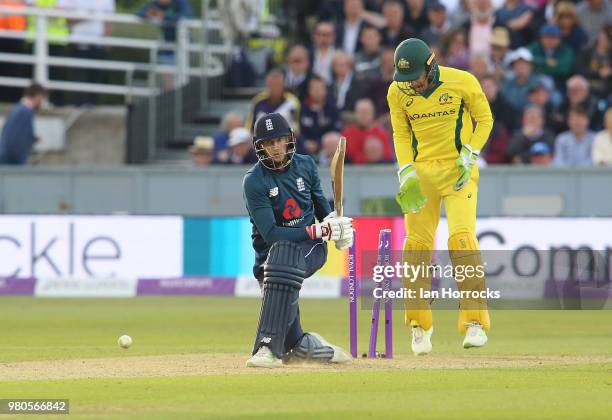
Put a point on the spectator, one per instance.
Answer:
(275, 99)
(594, 15)
(574, 147)
(533, 131)
(367, 61)
(602, 145)
(539, 95)
(479, 65)
(298, 73)
(202, 151)
(93, 28)
(578, 95)
(13, 46)
(500, 41)
(456, 52)
(345, 88)
(438, 24)
(240, 147)
(396, 30)
(329, 144)
(550, 56)
(516, 85)
(319, 115)
(595, 63)
(167, 13)
(230, 121)
(18, 138)
(416, 15)
(377, 88)
(516, 17)
(348, 31)
(374, 150)
(496, 148)
(458, 12)
(323, 50)
(363, 128)
(541, 154)
(480, 27)
(503, 112)
(571, 31)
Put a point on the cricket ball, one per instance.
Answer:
(125, 341)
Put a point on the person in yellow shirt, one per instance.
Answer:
(433, 110)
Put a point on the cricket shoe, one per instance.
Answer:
(421, 340)
(475, 336)
(264, 358)
(314, 348)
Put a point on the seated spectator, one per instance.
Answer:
(516, 16)
(516, 85)
(346, 89)
(533, 131)
(602, 145)
(574, 147)
(500, 41)
(595, 63)
(396, 30)
(324, 38)
(329, 144)
(572, 33)
(377, 88)
(230, 121)
(319, 115)
(438, 26)
(374, 150)
(367, 61)
(240, 148)
(202, 151)
(458, 12)
(275, 99)
(541, 154)
(550, 56)
(416, 15)
(503, 112)
(364, 127)
(456, 52)
(348, 30)
(18, 138)
(495, 151)
(578, 95)
(539, 95)
(479, 66)
(297, 73)
(480, 27)
(593, 15)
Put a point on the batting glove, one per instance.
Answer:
(410, 198)
(331, 229)
(466, 160)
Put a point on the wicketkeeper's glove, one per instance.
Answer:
(467, 158)
(410, 198)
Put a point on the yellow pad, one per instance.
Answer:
(467, 262)
(418, 310)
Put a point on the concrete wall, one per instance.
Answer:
(516, 191)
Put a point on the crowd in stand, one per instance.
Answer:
(545, 67)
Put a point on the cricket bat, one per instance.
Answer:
(337, 175)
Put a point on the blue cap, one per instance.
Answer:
(540, 148)
(550, 29)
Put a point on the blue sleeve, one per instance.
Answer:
(321, 205)
(262, 214)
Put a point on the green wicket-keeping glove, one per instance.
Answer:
(467, 158)
(410, 198)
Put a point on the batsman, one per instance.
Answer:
(441, 120)
(284, 199)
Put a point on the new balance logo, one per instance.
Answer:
(273, 192)
(300, 184)
(266, 340)
(269, 125)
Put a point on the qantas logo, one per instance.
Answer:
(292, 210)
(431, 114)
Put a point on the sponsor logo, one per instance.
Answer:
(432, 114)
(273, 192)
(445, 99)
(403, 64)
(269, 125)
(409, 102)
(292, 210)
(266, 340)
(300, 184)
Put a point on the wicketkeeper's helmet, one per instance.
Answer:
(412, 58)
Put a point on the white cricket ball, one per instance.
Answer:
(125, 341)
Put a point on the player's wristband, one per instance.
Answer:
(319, 230)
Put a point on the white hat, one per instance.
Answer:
(239, 135)
(520, 54)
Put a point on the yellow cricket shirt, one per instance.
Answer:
(435, 124)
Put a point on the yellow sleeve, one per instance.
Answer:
(478, 107)
(402, 132)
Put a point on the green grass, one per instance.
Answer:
(39, 329)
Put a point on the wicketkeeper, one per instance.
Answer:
(437, 145)
(283, 197)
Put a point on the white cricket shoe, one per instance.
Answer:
(340, 355)
(264, 358)
(421, 340)
(475, 336)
